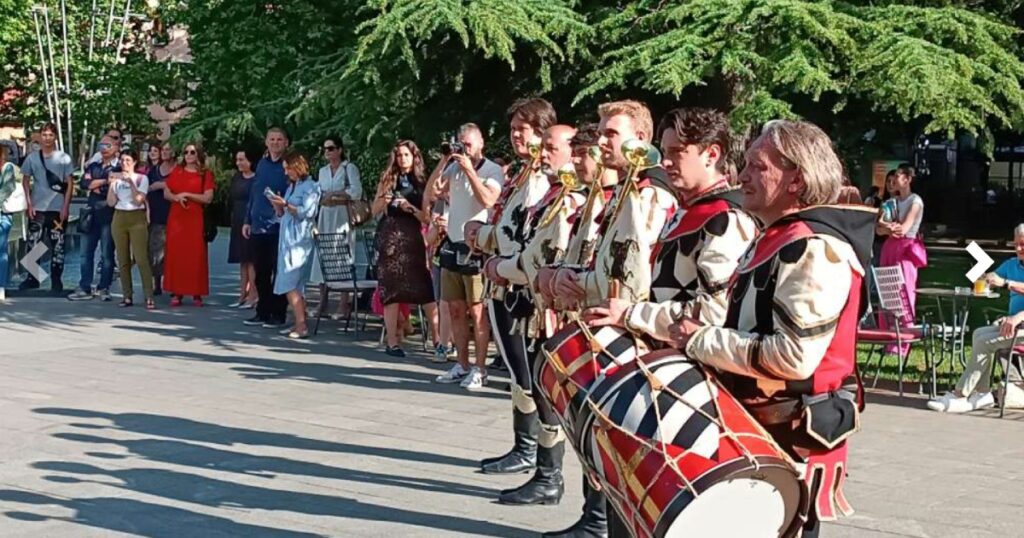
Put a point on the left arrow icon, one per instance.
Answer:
(31, 262)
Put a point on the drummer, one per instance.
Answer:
(788, 345)
(546, 229)
(588, 282)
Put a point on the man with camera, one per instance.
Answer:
(473, 183)
(504, 235)
(49, 171)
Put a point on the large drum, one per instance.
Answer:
(574, 358)
(678, 456)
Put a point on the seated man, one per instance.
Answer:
(973, 391)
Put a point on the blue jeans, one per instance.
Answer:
(5, 229)
(102, 236)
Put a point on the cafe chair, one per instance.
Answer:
(893, 325)
(1009, 360)
(341, 275)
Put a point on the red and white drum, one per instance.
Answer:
(574, 358)
(678, 456)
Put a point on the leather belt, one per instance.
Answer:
(777, 412)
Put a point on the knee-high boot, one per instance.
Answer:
(594, 521)
(525, 427)
(546, 486)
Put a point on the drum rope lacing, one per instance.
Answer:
(647, 446)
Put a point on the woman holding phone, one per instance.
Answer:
(189, 189)
(127, 195)
(402, 271)
(297, 209)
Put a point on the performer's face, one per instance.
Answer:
(586, 166)
(769, 183)
(556, 152)
(690, 169)
(614, 131)
(522, 134)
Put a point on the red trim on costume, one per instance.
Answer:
(830, 468)
(840, 357)
(695, 218)
(773, 239)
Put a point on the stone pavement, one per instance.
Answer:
(180, 423)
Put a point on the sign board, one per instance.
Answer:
(878, 171)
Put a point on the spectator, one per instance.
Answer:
(873, 199)
(152, 158)
(96, 180)
(340, 184)
(159, 209)
(435, 203)
(849, 194)
(903, 247)
(473, 183)
(49, 171)
(973, 391)
(402, 257)
(262, 226)
(240, 248)
(189, 189)
(8, 184)
(127, 195)
(297, 209)
(115, 135)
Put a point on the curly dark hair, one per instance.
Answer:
(701, 127)
(586, 135)
(536, 111)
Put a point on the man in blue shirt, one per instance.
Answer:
(973, 391)
(262, 226)
(96, 181)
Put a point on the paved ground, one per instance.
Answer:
(184, 423)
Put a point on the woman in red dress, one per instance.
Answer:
(189, 189)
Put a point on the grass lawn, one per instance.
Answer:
(944, 270)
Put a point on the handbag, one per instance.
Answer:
(359, 210)
(16, 202)
(56, 183)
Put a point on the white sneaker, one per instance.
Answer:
(950, 403)
(982, 400)
(1014, 396)
(456, 374)
(476, 379)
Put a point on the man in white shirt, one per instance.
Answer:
(473, 183)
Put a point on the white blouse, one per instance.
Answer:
(123, 192)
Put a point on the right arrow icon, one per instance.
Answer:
(983, 262)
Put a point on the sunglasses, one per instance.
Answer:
(104, 145)
(191, 152)
(330, 148)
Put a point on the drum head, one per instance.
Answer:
(753, 503)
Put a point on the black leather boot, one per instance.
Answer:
(594, 521)
(523, 456)
(546, 486)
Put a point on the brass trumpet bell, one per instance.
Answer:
(640, 154)
(568, 178)
(595, 153)
(534, 150)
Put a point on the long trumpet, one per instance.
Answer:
(641, 156)
(569, 182)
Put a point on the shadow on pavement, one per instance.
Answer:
(138, 518)
(204, 432)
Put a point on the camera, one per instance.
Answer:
(452, 147)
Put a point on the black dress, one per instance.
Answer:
(402, 272)
(239, 250)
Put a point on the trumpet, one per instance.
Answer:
(640, 155)
(570, 181)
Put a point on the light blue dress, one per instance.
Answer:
(295, 247)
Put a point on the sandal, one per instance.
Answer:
(176, 300)
(150, 304)
(295, 335)
(197, 300)
(125, 303)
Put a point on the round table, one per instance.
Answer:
(960, 297)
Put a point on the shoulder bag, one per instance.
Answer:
(56, 183)
(359, 210)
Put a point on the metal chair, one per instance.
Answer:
(341, 274)
(1006, 360)
(893, 314)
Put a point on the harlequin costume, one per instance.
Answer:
(788, 347)
(505, 236)
(548, 227)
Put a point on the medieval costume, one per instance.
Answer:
(505, 236)
(788, 347)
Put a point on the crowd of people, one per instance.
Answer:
(759, 275)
